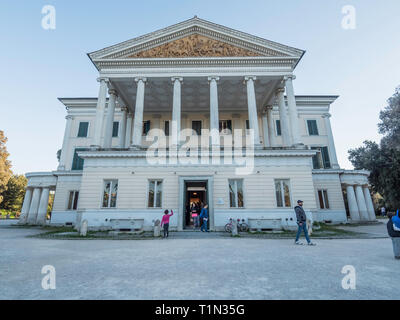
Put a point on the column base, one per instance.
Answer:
(137, 147)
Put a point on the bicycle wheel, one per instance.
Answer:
(244, 227)
(228, 227)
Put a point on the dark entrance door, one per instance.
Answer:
(196, 197)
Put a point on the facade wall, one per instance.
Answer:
(331, 183)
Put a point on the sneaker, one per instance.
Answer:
(311, 244)
(298, 243)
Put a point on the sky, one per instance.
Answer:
(360, 65)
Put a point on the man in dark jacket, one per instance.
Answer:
(302, 223)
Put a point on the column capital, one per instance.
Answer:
(180, 79)
(100, 79)
(247, 78)
(267, 108)
(326, 115)
(113, 92)
(124, 109)
(289, 77)
(210, 78)
(143, 79)
(69, 118)
(280, 90)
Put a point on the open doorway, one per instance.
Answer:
(196, 196)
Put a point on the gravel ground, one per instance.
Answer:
(194, 268)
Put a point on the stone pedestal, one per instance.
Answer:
(157, 229)
(84, 228)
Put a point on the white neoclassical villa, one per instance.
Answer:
(197, 112)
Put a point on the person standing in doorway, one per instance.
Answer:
(383, 211)
(165, 222)
(302, 224)
(204, 216)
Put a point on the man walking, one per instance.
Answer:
(302, 224)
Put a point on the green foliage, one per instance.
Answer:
(383, 160)
(5, 165)
(14, 195)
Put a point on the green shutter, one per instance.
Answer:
(278, 128)
(115, 129)
(312, 127)
(77, 162)
(83, 129)
(325, 157)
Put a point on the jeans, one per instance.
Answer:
(302, 227)
(204, 225)
(166, 226)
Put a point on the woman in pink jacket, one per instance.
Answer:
(165, 222)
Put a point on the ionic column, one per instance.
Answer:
(43, 204)
(214, 115)
(267, 142)
(122, 137)
(101, 105)
(128, 136)
(369, 203)
(139, 107)
(352, 202)
(110, 118)
(25, 206)
(271, 132)
(64, 150)
(331, 143)
(33, 209)
(362, 207)
(294, 118)
(283, 118)
(176, 111)
(252, 109)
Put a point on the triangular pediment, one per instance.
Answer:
(195, 45)
(195, 38)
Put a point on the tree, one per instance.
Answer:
(14, 195)
(383, 160)
(5, 165)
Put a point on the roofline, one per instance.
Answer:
(242, 33)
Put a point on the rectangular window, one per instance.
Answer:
(146, 127)
(83, 129)
(166, 128)
(247, 125)
(312, 127)
(77, 162)
(73, 200)
(115, 129)
(225, 126)
(196, 127)
(282, 192)
(236, 193)
(155, 194)
(278, 127)
(321, 159)
(323, 199)
(110, 194)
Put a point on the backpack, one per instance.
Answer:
(396, 219)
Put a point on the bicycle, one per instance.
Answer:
(241, 226)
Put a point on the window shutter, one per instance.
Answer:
(278, 128)
(325, 157)
(115, 129)
(83, 129)
(229, 124)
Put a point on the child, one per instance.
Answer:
(165, 222)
